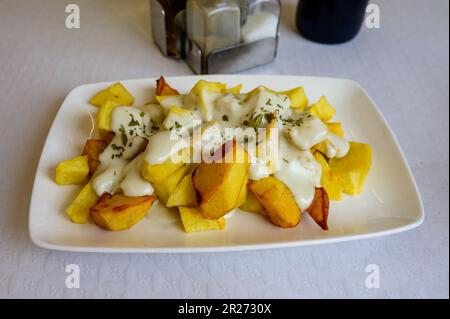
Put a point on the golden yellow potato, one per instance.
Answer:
(93, 149)
(277, 200)
(234, 90)
(323, 109)
(203, 85)
(184, 194)
(157, 173)
(165, 188)
(252, 205)
(74, 171)
(352, 169)
(329, 181)
(243, 194)
(116, 92)
(319, 208)
(219, 185)
(104, 115)
(78, 210)
(298, 98)
(193, 220)
(118, 212)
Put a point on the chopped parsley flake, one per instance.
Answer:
(256, 121)
(133, 122)
(294, 122)
(123, 135)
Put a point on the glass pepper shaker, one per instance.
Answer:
(163, 14)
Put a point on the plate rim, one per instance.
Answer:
(258, 246)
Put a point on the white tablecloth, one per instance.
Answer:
(404, 65)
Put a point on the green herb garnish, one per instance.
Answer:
(133, 122)
(123, 135)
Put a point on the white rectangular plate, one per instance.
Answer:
(389, 204)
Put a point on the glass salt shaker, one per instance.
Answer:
(261, 19)
(213, 24)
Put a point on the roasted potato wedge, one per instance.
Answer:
(193, 220)
(107, 136)
(319, 208)
(165, 188)
(277, 200)
(104, 114)
(219, 185)
(329, 181)
(118, 212)
(93, 149)
(78, 210)
(163, 88)
(203, 85)
(252, 205)
(298, 98)
(184, 194)
(72, 172)
(352, 169)
(323, 109)
(157, 173)
(116, 92)
(243, 194)
(234, 90)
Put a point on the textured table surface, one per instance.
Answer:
(404, 65)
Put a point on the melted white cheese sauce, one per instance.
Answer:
(134, 184)
(299, 171)
(162, 146)
(131, 127)
(296, 133)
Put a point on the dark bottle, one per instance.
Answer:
(163, 24)
(330, 21)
